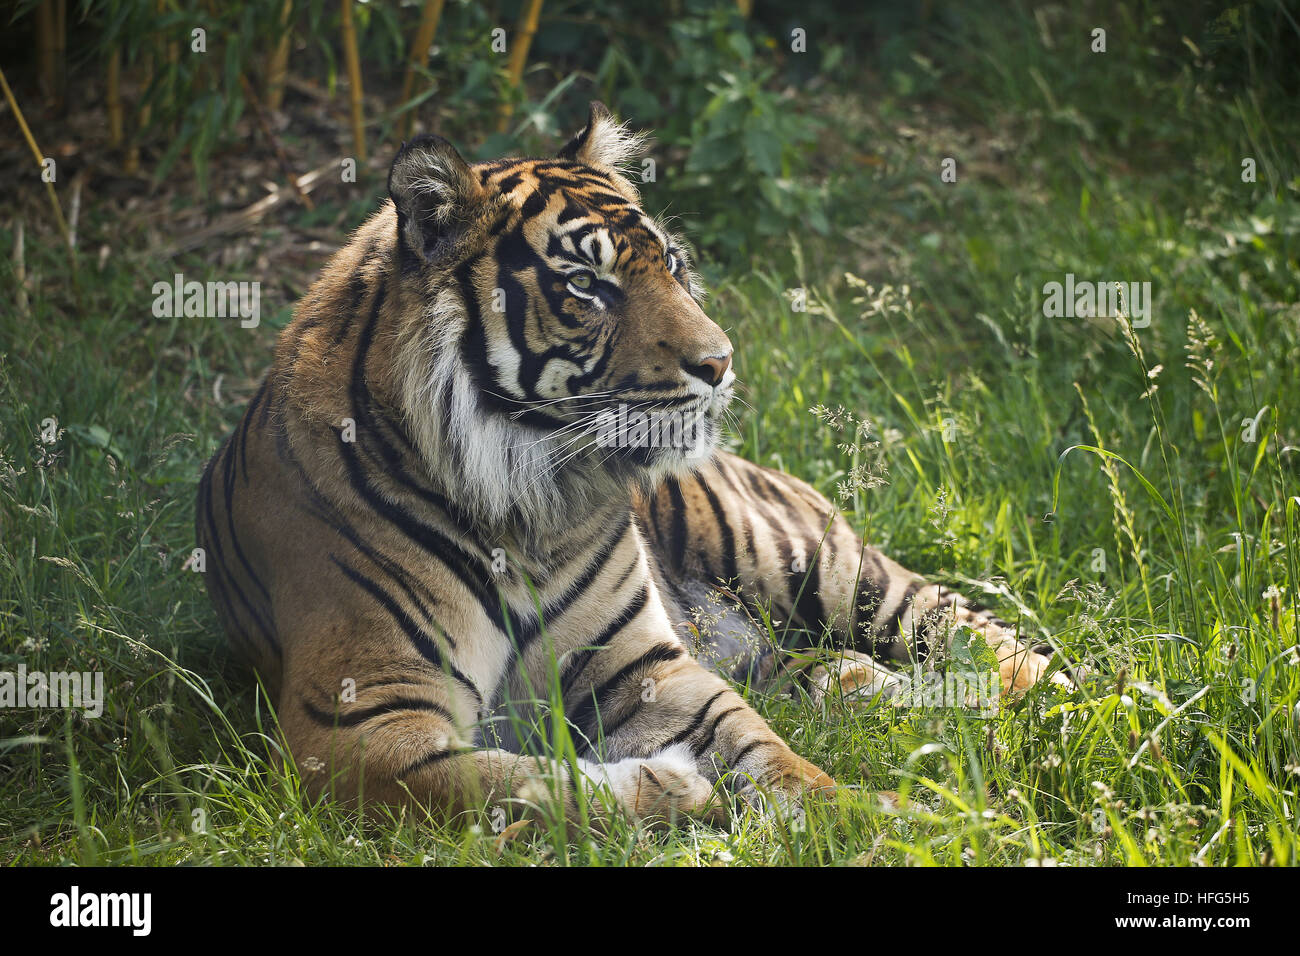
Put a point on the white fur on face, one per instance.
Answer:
(495, 468)
(492, 466)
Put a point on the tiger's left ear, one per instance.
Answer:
(604, 141)
(436, 195)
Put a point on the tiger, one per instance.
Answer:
(433, 537)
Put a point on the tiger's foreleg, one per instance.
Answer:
(641, 694)
(406, 749)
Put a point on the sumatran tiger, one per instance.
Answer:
(439, 514)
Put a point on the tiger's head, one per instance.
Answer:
(554, 348)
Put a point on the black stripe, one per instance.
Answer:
(421, 640)
(678, 536)
(428, 759)
(728, 544)
(695, 723)
(654, 520)
(866, 604)
(226, 611)
(529, 629)
(583, 582)
(358, 286)
(400, 575)
(659, 654)
(218, 566)
(780, 534)
(744, 751)
(808, 608)
(454, 556)
(777, 494)
(895, 620)
(228, 483)
(244, 424)
(712, 735)
(355, 717)
(622, 578)
(578, 662)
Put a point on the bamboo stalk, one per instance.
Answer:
(74, 210)
(40, 160)
(429, 19)
(167, 72)
(20, 272)
(45, 50)
(143, 114)
(279, 65)
(205, 77)
(519, 44)
(173, 45)
(113, 98)
(61, 52)
(354, 81)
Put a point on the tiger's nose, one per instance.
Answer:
(709, 369)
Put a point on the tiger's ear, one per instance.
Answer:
(604, 141)
(435, 192)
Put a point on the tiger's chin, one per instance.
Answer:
(649, 445)
(647, 457)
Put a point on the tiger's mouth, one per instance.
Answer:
(662, 436)
(626, 433)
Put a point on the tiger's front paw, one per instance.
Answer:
(788, 786)
(662, 787)
(804, 777)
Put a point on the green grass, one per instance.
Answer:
(1184, 747)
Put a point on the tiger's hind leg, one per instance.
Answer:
(776, 539)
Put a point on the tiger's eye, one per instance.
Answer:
(580, 280)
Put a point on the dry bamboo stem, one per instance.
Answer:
(429, 18)
(74, 209)
(519, 44)
(46, 25)
(173, 46)
(251, 215)
(143, 114)
(113, 98)
(61, 51)
(354, 81)
(40, 160)
(279, 66)
(20, 272)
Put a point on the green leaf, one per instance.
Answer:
(971, 652)
(762, 149)
(713, 153)
(97, 436)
